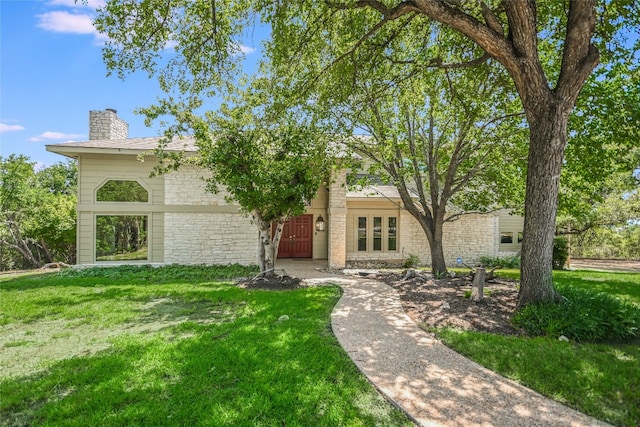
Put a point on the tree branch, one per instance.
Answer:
(579, 56)
(438, 62)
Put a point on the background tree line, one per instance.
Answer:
(37, 213)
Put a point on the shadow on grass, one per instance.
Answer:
(596, 379)
(253, 370)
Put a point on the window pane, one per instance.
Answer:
(121, 237)
(392, 234)
(122, 191)
(506, 237)
(377, 233)
(362, 233)
(519, 236)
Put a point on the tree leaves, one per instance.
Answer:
(37, 212)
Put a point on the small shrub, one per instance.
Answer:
(505, 262)
(560, 253)
(584, 315)
(412, 261)
(485, 292)
(440, 275)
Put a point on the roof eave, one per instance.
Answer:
(74, 152)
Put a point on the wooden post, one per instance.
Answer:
(477, 293)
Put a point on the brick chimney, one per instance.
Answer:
(107, 125)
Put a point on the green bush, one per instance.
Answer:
(583, 315)
(560, 253)
(505, 262)
(412, 261)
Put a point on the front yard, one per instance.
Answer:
(175, 346)
(183, 346)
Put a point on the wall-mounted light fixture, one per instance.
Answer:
(320, 223)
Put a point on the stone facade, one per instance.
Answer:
(206, 238)
(107, 125)
(204, 229)
(187, 187)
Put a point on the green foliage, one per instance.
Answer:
(37, 213)
(412, 261)
(122, 191)
(584, 315)
(560, 252)
(608, 243)
(505, 262)
(429, 134)
(603, 131)
(121, 237)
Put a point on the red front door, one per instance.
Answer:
(297, 238)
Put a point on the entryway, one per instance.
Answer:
(297, 238)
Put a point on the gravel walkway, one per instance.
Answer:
(433, 384)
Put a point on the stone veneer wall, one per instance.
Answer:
(469, 238)
(107, 125)
(201, 227)
(209, 238)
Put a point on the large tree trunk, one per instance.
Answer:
(434, 237)
(438, 264)
(546, 151)
(268, 242)
(267, 251)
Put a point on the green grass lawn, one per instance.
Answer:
(602, 380)
(176, 346)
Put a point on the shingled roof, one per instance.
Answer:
(121, 146)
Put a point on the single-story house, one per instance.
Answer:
(124, 215)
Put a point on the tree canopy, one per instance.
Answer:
(446, 153)
(269, 160)
(37, 213)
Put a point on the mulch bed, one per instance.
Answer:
(272, 282)
(439, 303)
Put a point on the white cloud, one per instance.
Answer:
(10, 128)
(55, 136)
(65, 22)
(246, 49)
(241, 48)
(94, 4)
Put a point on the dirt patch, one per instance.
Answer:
(437, 303)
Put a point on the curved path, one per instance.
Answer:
(433, 384)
